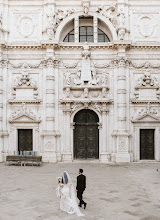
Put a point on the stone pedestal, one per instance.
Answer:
(105, 157)
(50, 157)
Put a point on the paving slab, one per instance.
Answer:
(114, 191)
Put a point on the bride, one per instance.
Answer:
(65, 191)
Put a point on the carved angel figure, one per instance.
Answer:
(86, 53)
(67, 76)
(104, 79)
(77, 79)
(95, 78)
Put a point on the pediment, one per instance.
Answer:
(24, 118)
(147, 118)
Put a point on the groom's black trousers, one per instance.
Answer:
(80, 197)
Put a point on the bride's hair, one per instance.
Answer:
(64, 177)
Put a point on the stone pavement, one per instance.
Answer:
(114, 192)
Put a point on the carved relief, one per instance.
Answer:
(86, 5)
(51, 26)
(23, 113)
(97, 107)
(77, 79)
(147, 87)
(61, 14)
(24, 82)
(74, 107)
(146, 25)
(147, 81)
(26, 64)
(25, 26)
(117, 18)
(145, 65)
(77, 94)
(95, 79)
(49, 145)
(70, 65)
(86, 93)
(68, 92)
(147, 113)
(67, 78)
(108, 12)
(101, 65)
(122, 145)
(104, 78)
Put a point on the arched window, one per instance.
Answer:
(69, 37)
(86, 35)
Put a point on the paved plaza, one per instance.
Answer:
(114, 192)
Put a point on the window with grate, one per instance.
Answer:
(86, 35)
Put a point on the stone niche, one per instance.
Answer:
(24, 88)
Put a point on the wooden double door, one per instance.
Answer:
(86, 135)
(147, 144)
(25, 140)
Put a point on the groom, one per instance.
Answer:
(81, 185)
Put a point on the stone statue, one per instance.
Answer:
(77, 79)
(95, 79)
(67, 76)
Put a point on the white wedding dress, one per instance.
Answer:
(67, 196)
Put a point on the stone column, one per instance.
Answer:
(57, 116)
(104, 154)
(49, 108)
(67, 154)
(122, 135)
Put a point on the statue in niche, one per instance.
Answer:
(86, 92)
(95, 78)
(68, 92)
(67, 76)
(77, 80)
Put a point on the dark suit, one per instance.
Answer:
(81, 185)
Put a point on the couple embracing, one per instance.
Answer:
(66, 193)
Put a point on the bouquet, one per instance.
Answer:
(59, 179)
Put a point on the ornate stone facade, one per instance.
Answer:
(46, 80)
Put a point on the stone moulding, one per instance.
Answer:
(57, 45)
(12, 101)
(145, 101)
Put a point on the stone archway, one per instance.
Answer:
(86, 135)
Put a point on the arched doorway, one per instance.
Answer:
(86, 135)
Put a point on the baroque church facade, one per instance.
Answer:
(80, 79)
